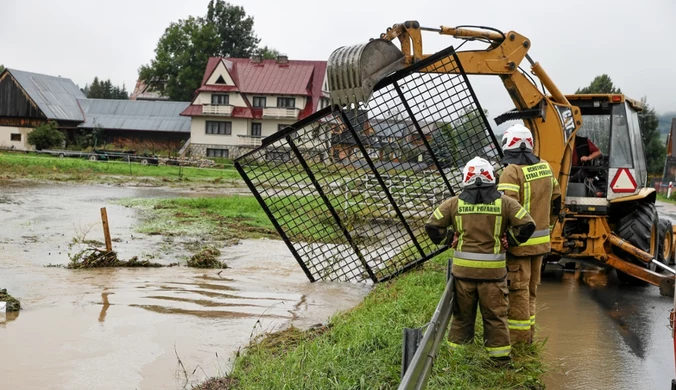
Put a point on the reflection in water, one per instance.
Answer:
(603, 335)
(104, 307)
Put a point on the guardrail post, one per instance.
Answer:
(412, 339)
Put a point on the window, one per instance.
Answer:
(220, 99)
(15, 137)
(259, 102)
(220, 80)
(323, 103)
(224, 128)
(256, 129)
(222, 153)
(286, 102)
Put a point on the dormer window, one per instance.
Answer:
(284, 102)
(220, 99)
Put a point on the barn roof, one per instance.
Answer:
(135, 115)
(55, 96)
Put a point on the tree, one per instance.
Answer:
(2, 67)
(46, 136)
(181, 57)
(655, 150)
(105, 90)
(234, 28)
(268, 53)
(183, 51)
(600, 84)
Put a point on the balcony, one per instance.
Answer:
(279, 113)
(252, 141)
(216, 109)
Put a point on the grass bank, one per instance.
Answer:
(22, 166)
(361, 349)
(663, 198)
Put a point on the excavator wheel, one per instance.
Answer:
(639, 226)
(666, 242)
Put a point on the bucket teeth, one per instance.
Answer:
(353, 71)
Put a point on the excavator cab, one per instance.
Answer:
(610, 124)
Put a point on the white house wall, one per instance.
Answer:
(6, 138)
(220, 70)
(235, 98)
(271, 100)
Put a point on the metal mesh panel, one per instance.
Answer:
(349, 190)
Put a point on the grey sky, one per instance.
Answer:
(574, 40)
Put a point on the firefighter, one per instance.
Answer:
(528, 180)
(477, 219)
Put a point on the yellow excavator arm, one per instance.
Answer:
(552, 119)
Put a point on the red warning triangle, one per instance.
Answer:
(623, 181)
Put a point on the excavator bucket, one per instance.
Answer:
(353, 71)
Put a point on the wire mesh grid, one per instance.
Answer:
(349, 190)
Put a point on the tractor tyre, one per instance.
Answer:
(639, 226)
(666, 242)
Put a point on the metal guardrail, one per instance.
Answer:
(417, 371)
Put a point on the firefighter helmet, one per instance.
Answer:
(477, 170)
(516, 136)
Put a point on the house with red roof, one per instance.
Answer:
(243, 100)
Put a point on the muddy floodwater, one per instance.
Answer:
(603, 335)
(128, 328)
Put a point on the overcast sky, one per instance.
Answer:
(574, 40)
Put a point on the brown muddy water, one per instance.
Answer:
(603, 335)
(127, 328)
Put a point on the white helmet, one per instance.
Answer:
(516, 136)
(477, 169)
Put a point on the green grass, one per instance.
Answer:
(663, 198)
(361, 349)
(44, 167)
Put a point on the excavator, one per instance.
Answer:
(608, 213)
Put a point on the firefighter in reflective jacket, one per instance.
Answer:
(478, 218)
(529, 181)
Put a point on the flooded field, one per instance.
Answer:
(128, 328)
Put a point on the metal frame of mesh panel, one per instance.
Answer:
(349, 190)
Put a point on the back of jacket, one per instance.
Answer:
(535, 188)
(479, 254)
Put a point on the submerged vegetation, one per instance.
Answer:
(12, 303)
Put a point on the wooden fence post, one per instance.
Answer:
(106, 229)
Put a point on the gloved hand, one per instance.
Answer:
(451, 239)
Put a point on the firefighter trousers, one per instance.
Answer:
(491, 298)
(523, 277)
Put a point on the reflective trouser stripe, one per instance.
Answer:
(496, 234)
(538, 237)
(508, 187)
(554, 181)
(453, 345)
(499, 351)
(532, 320)
(518, 324)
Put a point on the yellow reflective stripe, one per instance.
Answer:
(508, 187)
(499, 351)
(554, 181)
(479, 263)
(518, 324)
(532, 320)
(458, 225)
(438, 214)
(521, 213)
(526, 196)
(453, 345)
(536, 241)
(497, 229)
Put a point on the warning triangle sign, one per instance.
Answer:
(623, 181)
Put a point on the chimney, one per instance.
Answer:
(282, 59)
(256, 58)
